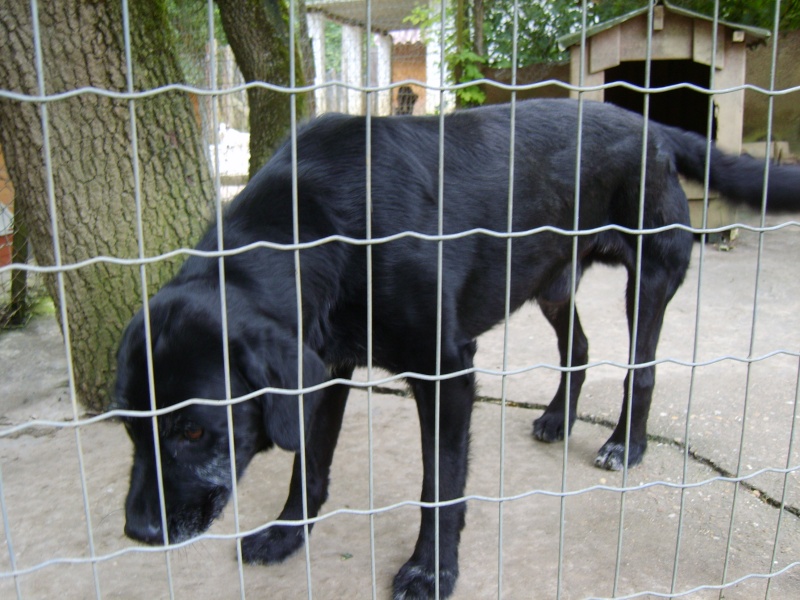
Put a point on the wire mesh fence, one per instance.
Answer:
(714, 509)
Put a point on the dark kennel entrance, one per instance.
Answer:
(682, 107)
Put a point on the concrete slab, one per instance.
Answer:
(47, 519)
(46, 516)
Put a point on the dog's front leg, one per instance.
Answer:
(417, 578)
(279, 541)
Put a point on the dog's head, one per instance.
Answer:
(192, 442)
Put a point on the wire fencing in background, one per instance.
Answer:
(397, 68)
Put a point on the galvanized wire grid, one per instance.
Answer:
(374, 382)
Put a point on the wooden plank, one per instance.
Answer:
(604, 50)
(701, 50)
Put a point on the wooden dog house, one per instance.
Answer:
(681, 52)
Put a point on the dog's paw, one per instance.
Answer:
(612, 455)
(417, 582)
(550, 427)
(272, 545)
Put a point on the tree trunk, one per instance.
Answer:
(17, 312)
(478, 19)
(92, 163)
(258, 32)
(460, 26)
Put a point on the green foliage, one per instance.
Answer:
(425, 17)
(603, 10)
(790, 15)
(758, 13)
(539, 24)
(462, 61)
(466, 62)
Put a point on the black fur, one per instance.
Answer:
(261, 298)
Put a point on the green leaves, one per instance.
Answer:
(467, 63)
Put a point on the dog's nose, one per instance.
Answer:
(144, 530)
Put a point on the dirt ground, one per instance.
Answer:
(741, 420)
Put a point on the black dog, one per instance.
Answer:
(261, 297)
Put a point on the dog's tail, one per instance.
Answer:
(739, 179)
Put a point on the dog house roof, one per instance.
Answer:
(386, 15)
(753, 33)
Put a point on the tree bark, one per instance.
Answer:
(258, 32)
(92, 164)
(478, 20)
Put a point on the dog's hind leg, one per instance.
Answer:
(665, 258)
(416, 579)
(279, 541)
(550, 427)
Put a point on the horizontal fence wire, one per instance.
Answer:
(521, 87)
(393, 238)
(374, 382)
(408, 503)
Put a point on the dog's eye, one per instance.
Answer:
(193, 433)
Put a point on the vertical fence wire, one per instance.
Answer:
(370, 366)
(786, 479)
(796, 410)
(573, 282)
(12, 556)
(756, 296)
(439, 288)
(148, 331)
(507, 308)
(223, 292)
(698, 297)
(298, 285)
(60, 283)
(635, 304)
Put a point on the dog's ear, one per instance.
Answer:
(272, 362)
